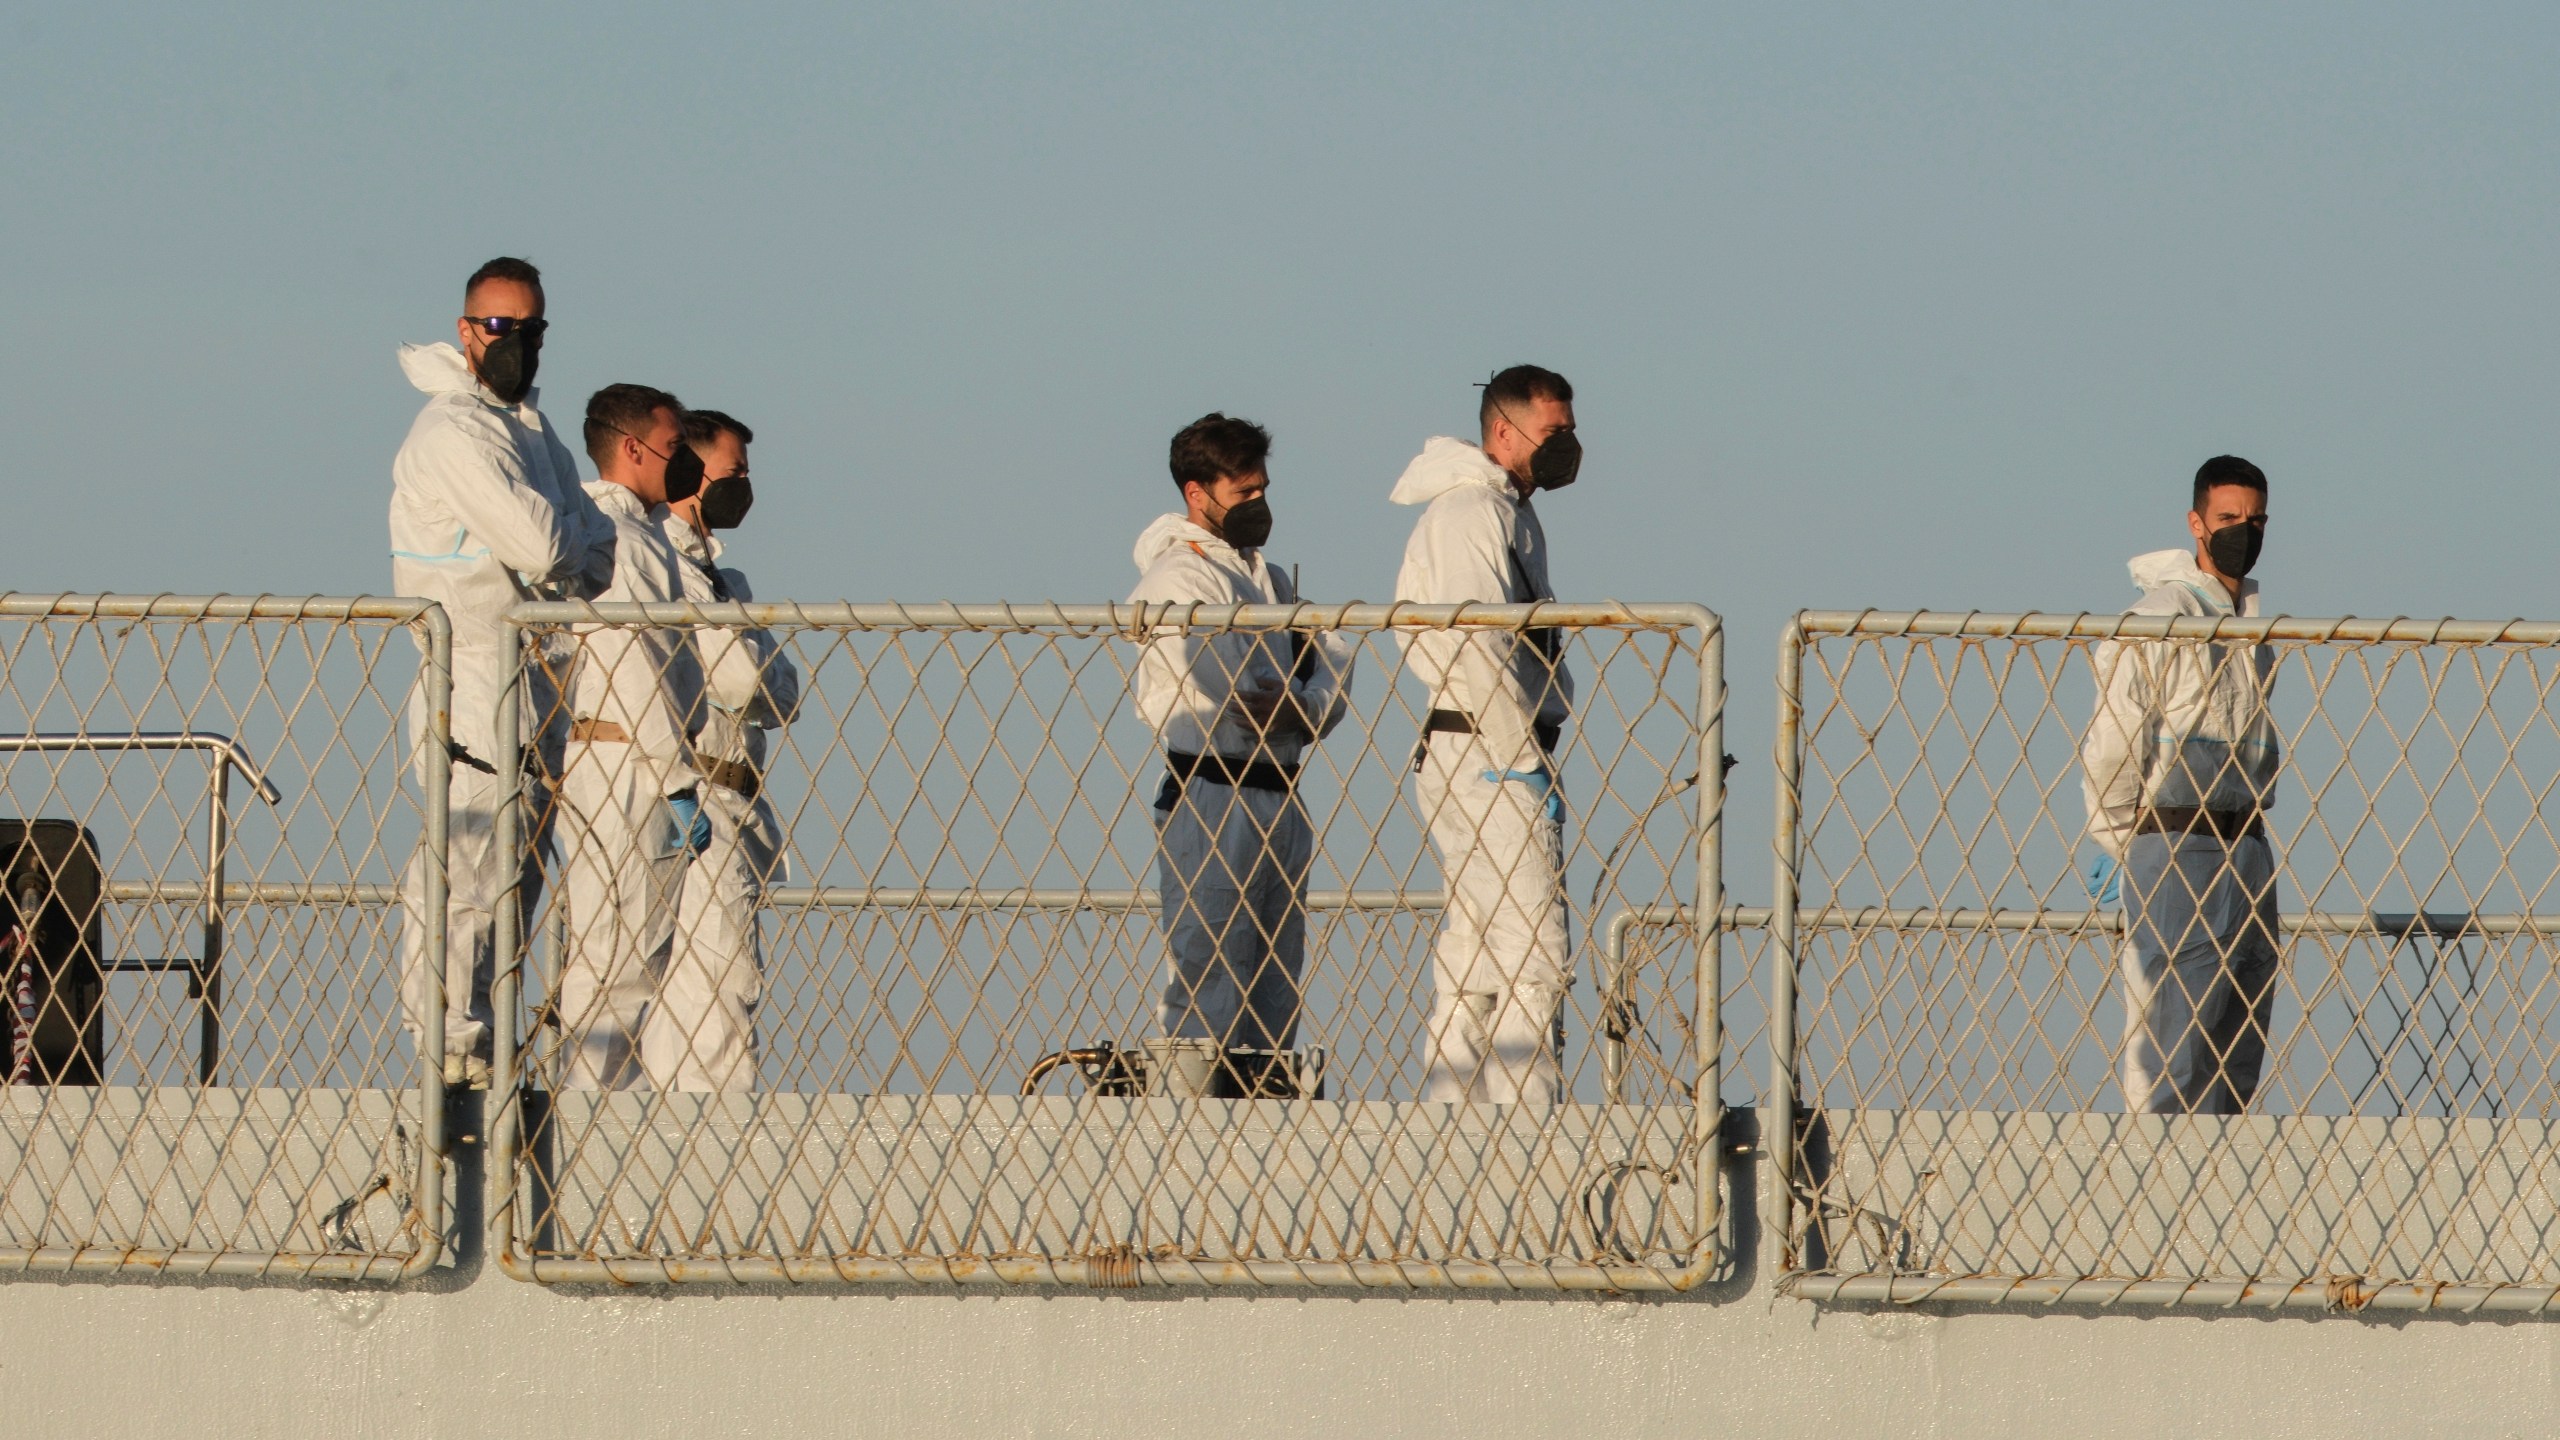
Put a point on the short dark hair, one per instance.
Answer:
(619, 410)
(1217, 445)
(2226, 470)
(704, 427)
(1515, 388)
(505, 267)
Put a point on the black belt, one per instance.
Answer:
(2224, 825)
(1459, 722)
(731, 775)
(1241, 774)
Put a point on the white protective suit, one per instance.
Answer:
(2183, 727)
(486, 510)
(700, 1034)
(1232, 849)
(620, 841)
(1502, 960)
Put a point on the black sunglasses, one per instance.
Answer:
(499, 327)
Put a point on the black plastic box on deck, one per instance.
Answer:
(52, 895)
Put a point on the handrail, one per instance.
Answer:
(342, 894)
(882, 897)
(2384, 924)
(2112, 626)
(1133, 618)
(18, 606)
(231, 750)
(204, 973)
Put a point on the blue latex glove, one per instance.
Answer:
(2101, 881)
(1540, 783)
(691, 823)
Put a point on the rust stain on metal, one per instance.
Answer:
(1113, 1267)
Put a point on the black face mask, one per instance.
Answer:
(1557, 461)
(1247, 525)
(507, 366)
(684, 474)
(726, 501)
(2234, 548)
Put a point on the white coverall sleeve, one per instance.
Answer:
(590, 530)
(1475, 562)
(2113, 752)
(1320, 672)
(777, 697)
(1182, 688)
(746, 671)
(474, 471)
(1166, 691)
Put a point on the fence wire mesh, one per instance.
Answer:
(912, 1010)
(2002, 1087)
(209, 813)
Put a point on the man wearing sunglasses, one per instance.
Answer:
(486, 510)
(631, 812)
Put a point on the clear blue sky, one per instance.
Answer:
(1881, 305)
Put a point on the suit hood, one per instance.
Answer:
(1168, 531)
(439, 369)
(1447, 464)
(2161, 568)
(2165, 567)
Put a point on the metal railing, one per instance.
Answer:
(1965, 1046)
(1615, 977)
(968, 890)
(968, 886)
(203, 970)
(268, 1122)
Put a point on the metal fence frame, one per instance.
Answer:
(204, 975)
(506, 1128)
(436, 676)
(1790, 921)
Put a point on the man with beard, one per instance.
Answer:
(1485, 776)
(1235, 711)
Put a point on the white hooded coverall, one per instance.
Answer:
(2182, 727)
(486, 510)
(701, 1032)
(1232, 858)
(1502, 961)
(621, 847)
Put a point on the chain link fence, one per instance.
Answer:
(907, 1006)
(209, 813)
(963, 932)
(1997, 1086)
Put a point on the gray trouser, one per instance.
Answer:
(2199, 966)
(1232, 865)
